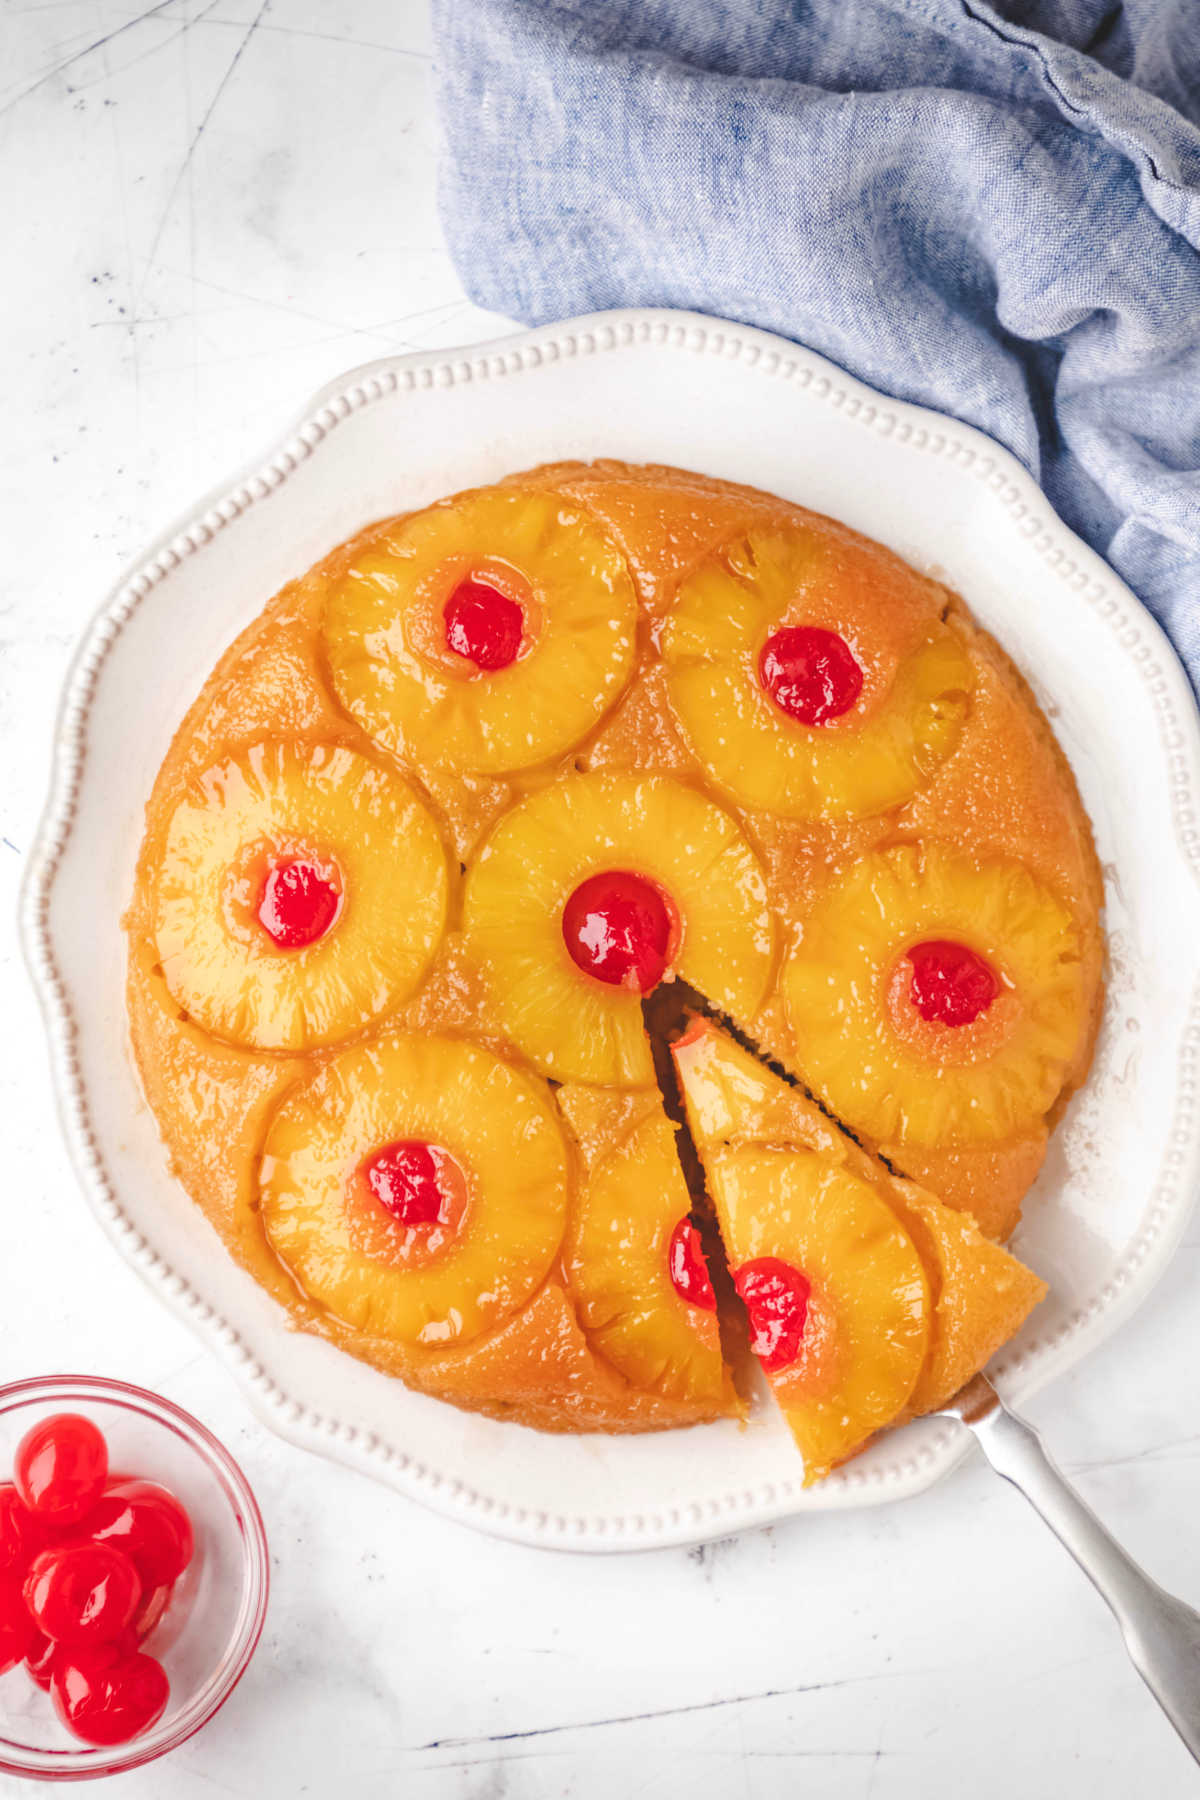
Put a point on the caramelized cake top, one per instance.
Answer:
(480, 780)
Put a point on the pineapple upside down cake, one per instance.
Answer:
(475, 793)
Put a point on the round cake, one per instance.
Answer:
(466, 794)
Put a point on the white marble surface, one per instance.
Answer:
(212, 206)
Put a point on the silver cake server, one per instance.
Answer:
(1161, 1634)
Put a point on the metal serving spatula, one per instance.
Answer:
(1161, 1634)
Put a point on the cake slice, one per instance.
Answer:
(868, 1300)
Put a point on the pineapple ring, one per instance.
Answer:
(877, 754)
(570, 1025)
(616, 1260)
(348, 815)
(498, 1125)
(866, 1334)
(901, 1081)
(384, 634)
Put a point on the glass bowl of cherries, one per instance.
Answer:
(133, 1576)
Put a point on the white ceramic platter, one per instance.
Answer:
(673, 388)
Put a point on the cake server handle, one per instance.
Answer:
(1161, 1634)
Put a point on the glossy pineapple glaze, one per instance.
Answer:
(580, 1328)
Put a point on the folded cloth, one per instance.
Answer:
(992, 210)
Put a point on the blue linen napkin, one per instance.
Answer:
(992, 210)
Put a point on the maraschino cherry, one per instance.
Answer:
(483, 626)
(776, 1297)
(154, 1604)
(147, 1522)
(408, 1178)
(298, 903)
(810, 673)
(18, 1635)
(689, 1271)
(39, 1659)
(618, 927)
(21, 1536)
(951, 984)
(106, 1696)
(88, 1566)
(60, 1468)
(82, 1593)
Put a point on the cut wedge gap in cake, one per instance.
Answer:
(865, 1300)
(666, 1013)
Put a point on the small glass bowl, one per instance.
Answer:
(209, 1632)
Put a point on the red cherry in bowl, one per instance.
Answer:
(21, 1536)
(106, 1697)
(154, 1605)
(39, 1658)
(82, 1593)
(148, 1523)
(16, 1627)
(60, 1468)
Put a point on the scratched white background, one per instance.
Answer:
(209, 207)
